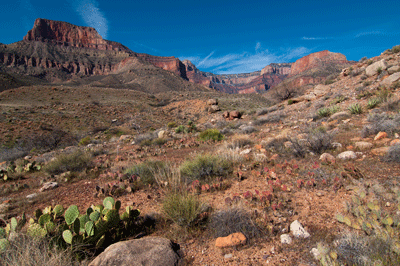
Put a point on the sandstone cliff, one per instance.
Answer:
(64, 33)
(258, 81)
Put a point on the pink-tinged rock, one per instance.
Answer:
(380, 151)
(363, 145)
(314, 59)
(232, 240)
(395, 142)
(380, 135)
(327, 157)
(373, 68)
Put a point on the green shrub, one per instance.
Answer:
(290, 101)
(323, 112)
(211, 134)
(329, 81)
(396, 49)
(204, 167)
(372, 103)
(76, 161)
(355, 108)
(84, 141)
(379, 70)
(171, 124)
(181, 129)
(183, 208)
(146, 171)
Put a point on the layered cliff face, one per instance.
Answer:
(64, 33)
(258, 81)
(56, 50)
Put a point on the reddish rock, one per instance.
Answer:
(232, 240)
(395, 142)
(64, 33)
(315, 59)
(380, 135)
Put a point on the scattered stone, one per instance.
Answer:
(162, 134)
(144, 251)
(363, 145)
(327, 158)
(124, 137)
(347, 155)
(373, 68)
(387, 204)
(395, 142)
(286, 239)
(48, 186)
(337, 145)
(393, 69)
(380, 135)
(392, 78)
(212, 101)
(380, 151)
(213, 108)
(232, 240)
(339, 116)
(228, 256)
(298, 230)
(315, 252)
(246, 151)
(31, 196)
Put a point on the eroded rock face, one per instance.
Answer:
(64, 33)
(315, 59)
(258, 81)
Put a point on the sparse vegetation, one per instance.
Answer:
(75, 161)
(355, 109)
(146, 171)
(205, 167)
(211, 134)
(372, 103)
(183, 208)
(381, 122)
(232, 220)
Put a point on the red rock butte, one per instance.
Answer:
(315, 59)
(64, 33)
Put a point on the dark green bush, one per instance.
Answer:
(211, 134)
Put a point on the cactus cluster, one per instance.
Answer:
(24, 167)
(99, 226)
(12, 227)
(371, 216)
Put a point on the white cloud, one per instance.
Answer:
(245, 62)
(92, 15)
(367, 33)
(316, 38)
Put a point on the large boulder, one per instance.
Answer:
(373, 68)
(149, 251)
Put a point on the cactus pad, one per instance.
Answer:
(4, 244)
(35, 230)
(58, 210)
(71, 214)
(94, 216)
(89, 228)
(44, 219)
(109, 203)
(67, 236)
(13, 224)
(50, 227)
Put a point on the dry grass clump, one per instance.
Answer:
(183, 208)
(146, 171)
(232, 220)
(205, 167)
(239, 141)
(74, 162)
(270, 118)
(28, 251)
(393, 154)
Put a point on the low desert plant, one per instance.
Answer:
(232, 220)
(395, 49)
(372, 103)
(323, 112)
(26, 250)
(84, 141)
(145, 171)
(355, 109)
(381, 122)
(393, 154)
(75, 162)
(204, 167)
(171, 124)
(181, 129)
(211, 134)
(183, 208)
(239, 141)
(270, 118)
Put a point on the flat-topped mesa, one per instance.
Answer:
(170, 63)
(66, 34)
(277, 68)
(316, 59)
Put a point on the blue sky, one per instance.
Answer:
(222, 36)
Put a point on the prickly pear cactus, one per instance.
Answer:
(109, 203)
(94, 216)
(44, 219)
(58, 211)
(4, 244)
(35, 230)
(67, 236)
(71, 214)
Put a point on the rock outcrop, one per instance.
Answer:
(316, 60)
(258, 81)
(64, 33)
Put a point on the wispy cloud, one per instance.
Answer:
(316, 38)
(368, 33)
(245, 62)
(92, 15)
